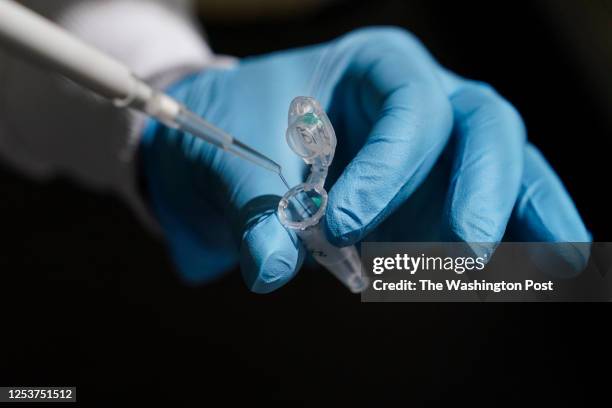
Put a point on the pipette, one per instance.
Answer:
(45, 43)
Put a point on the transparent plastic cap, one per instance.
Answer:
(310, 133)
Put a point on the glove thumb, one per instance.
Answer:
(270, 255)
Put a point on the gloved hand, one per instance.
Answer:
(436, 156)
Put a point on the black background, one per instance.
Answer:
(89, 298)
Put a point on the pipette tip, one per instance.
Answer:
(280, 174)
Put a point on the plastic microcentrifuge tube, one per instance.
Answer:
(311, 136)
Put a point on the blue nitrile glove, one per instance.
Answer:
(437, 156)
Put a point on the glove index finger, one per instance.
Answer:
(411, 121)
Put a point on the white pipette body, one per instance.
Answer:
(46, 44)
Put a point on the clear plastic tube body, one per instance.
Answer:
(344, 263)
(301, 210)
(311, 136)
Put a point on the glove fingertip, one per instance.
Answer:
(545, 211)
(338, 229)
(343, 225)
(270, 256)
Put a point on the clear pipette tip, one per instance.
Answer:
(194, 124)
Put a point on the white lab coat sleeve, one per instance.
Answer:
(50, 126)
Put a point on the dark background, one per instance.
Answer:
(89, 298)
